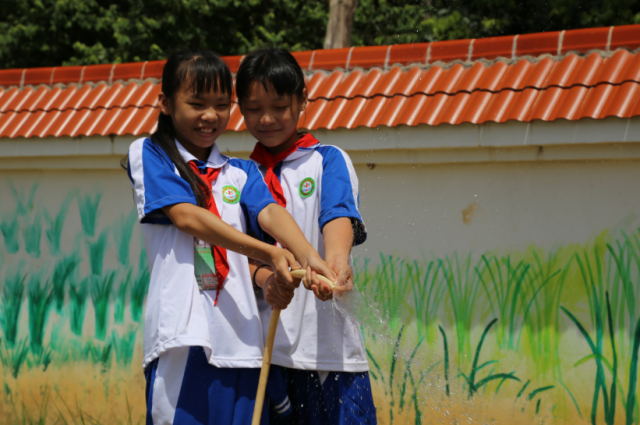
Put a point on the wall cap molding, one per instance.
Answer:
(587, 139)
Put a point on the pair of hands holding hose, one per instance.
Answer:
(279, 293)
(338, 240)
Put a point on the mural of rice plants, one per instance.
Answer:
(544, 336)
(536, 335)
(70, 346)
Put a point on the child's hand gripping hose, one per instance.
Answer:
(268, 349)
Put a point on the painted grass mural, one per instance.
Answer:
(551, 325)
(494, 337)
(70, 341)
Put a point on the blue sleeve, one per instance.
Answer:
(155, 182)
(337, 197)
(255, 195)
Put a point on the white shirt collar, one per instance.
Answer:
(215, 160)
(300, 152)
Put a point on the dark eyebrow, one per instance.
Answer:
(201, 97)
(277, 99)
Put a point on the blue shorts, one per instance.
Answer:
(183, 388)
(343, 399)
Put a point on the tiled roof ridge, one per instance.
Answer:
(478, 90)
(469, 64)
(309, 74)
(612, 82)
(556, 44)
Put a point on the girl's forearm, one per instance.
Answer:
(277, 222)
(205, 225)
(338, 239)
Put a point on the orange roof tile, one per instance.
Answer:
(586, 73)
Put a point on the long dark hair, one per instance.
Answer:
(203, 71)
(275, 66)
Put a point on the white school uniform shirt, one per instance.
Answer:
(319, 184)
(178, 314)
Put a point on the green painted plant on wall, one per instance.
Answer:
(89, 211)
(626, 281)
(10, 228)
(389, 284)
(24, 203)
(78, 293)
(100, 354)
(14, 357)
(122, 231)
(632, 400)
(101, 287)
(428, 293)
(55, 224)
(545, 283)
(120, 296)
(600, 387)
(473, 384)
(97, 250)
(601, 277)
(62, 271)
(503, 282)
(393, 284)
(12, 296)
(124, 345)
(387, 379)
(10, 225)
(40, 300)
(463, 285)
(139, 293)
(32, 233)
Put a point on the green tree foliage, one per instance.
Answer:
(381, 22)
(77, 32)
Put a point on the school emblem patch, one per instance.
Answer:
(307, 187)
(230, 195)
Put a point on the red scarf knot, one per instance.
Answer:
(263, 157)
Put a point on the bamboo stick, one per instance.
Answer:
(266, 364)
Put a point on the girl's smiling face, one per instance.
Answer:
(198, 119)
(272, 118)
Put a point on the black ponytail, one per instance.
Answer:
(203, 71)
(275, 66)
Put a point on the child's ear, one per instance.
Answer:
(304, 100)
(164, 103)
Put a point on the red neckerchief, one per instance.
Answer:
(262, 156)
(219, 254)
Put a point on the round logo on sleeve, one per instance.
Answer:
(230, 195)
(307, 187)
